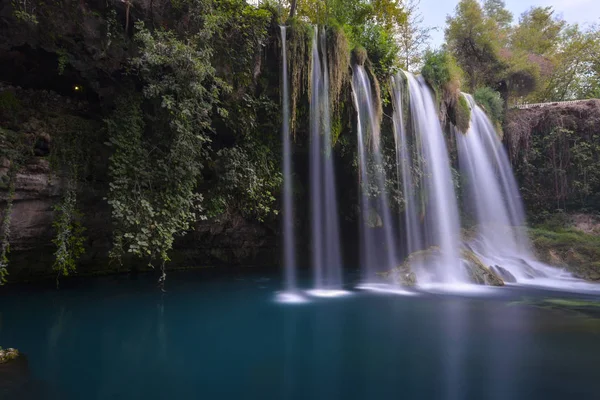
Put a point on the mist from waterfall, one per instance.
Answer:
(377, 253)
(326, 252)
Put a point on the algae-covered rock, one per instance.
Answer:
(478, 271)
(8, 355)
(359, 55)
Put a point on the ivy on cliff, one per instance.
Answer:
(70, 161)
(160, 143)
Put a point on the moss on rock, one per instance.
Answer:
(359, 55)
(462, 113)
(576, 251)
(8, 355)
(478, 271)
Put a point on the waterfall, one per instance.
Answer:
(326, 253)
(373, 206)
(441, 222)
(501, 241)
(289, 256)
(404, 167)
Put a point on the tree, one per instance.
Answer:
(471, 37)
(413, 37)
(496, 11)
(538, 31)
(576, 73)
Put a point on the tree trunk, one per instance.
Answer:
(293, 9)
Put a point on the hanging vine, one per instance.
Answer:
(69, 159)
(160, 142)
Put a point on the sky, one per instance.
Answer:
(573, 11)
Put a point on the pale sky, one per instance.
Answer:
(573, 11)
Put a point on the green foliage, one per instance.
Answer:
(241, 32)
(568, 247)
(299, 41)
(496, 10)
(576, 69)
(25, 12)
(69, 237)
(69, 159)
(463, 114)
(555, 152)
(381, 47)
(538, 31)
(442, 73)
(63, 60)
(338, 63)
(491, 102)
(159, 150)
(5, 231)
(472, 39)
(248, 179)
(9, 102)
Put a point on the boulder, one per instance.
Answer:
(503, 273)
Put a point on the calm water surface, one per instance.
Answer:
(222, 336)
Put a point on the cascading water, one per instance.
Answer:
(441, 223)
(326, 257)
(404, 167)
(374, 212)
(289, 256)
(501, 242)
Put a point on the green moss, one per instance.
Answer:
(338, 64)
(577, 251)
(573, 303)
(299, 41)
(576, 307)
(8, 355)
(9, 101)
(359, 55)
(462, 114)
(478, 271)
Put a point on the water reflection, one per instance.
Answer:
(454, 331)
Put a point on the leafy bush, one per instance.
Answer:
(462, 114)
(442, 73)
(491, 102)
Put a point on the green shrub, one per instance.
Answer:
(462, 114)
(491, 102)
(442, 73)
